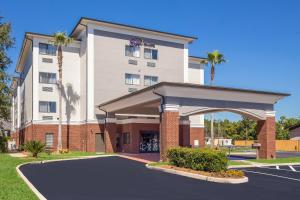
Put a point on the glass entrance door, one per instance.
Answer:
(149, 142)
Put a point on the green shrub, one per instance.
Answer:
(210, 160)
(34, 147)
(3, 144)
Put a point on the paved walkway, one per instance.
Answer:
(142, 157)
(18, 155)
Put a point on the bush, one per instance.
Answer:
(210, 160)
(3, 144)
(34, 147)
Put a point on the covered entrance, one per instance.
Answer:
(149, 142)
(172, 102)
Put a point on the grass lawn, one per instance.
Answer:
(236, 163)
(12, 187)
(278, 160)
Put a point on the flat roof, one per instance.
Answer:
(130, 26)
(191, 85)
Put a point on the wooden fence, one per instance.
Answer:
(281, 145)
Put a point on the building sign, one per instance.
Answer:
(136, 42)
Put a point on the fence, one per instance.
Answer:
(281, 145)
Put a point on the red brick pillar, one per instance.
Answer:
(169, 129)
(110, 133)
(197, 135)
(266, 137)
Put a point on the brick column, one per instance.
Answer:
(110, 133)
(169, 129)
(266, 137)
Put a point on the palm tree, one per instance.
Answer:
(214, 58)
(60, 39)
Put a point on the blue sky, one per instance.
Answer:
(260, 39)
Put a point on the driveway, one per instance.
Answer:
(119, 178)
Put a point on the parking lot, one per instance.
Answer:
(120, 178)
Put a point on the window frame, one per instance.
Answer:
(47, 77)
(132, 53)
(126, 137)
(151, 54)
(151, 80)
(48, 106)
(132, 82)
(52, 144)
(48, 51)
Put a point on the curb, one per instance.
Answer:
(31, 186)
(201, 177)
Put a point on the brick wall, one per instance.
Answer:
(197, 134)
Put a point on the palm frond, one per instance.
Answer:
(61, 39)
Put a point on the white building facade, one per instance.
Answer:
(105, 61)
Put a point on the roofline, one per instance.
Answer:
(198, 57)
(129, 26)
(294, 127)
(26, 37)
(192, 86)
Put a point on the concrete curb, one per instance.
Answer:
(199, 176)
(31, 186)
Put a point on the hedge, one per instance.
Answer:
(198, 159)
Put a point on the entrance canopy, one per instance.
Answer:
(194, 99)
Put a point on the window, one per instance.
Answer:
(150, 53)
(150, 80)
(47, 107)
(49, 78)
(126, 138)
(132, 51)
(49, 140)
(132, 79)
(47, 49)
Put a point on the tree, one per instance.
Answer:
(283, 125)
(214, 58)
(60, 39)
(6, 42)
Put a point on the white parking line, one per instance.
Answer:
(277, 167)
(292, 168)
(284, 177)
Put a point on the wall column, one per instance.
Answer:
(169, 129)
(267, 137)
(110, 133)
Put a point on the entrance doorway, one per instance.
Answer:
(149, 142)
(99, 142)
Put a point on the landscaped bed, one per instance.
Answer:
(204, 164)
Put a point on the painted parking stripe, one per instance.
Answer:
(288, 170)
(278, 176)
(277, 167)
(292, 168)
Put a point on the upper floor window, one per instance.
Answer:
(47, 107)
(150, 53)
(47, 49)
(132, 51)
(132, 79)
(45, 77)
(150, 80)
